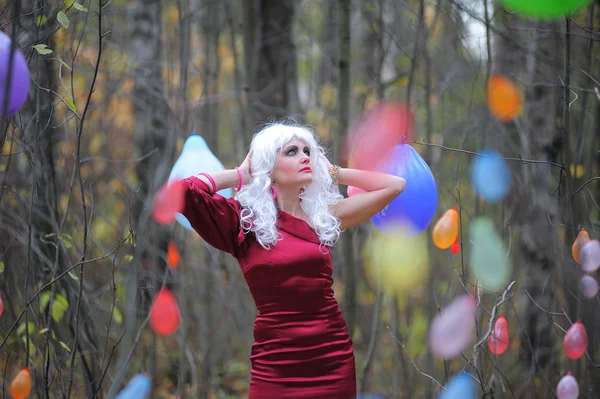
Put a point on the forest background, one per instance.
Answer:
(117, 87)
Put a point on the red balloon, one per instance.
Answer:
(455, 247)
(498, 340)
(168, 202)
(1, 305)
(380, 129)
(354, 190)
(164, 313)
(575, 342)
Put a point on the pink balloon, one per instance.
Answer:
(575, 342)
(1, 305)
(168, 202)
(589, 254)
(588, 286)
(453, 329)
(498, 339)
(567, 387)
(354, 190)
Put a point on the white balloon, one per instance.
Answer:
(196, 157)
(589, 254)
(567, 387)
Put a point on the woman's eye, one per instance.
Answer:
(291, 152)
(307, 152)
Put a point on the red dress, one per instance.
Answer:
(301, 346)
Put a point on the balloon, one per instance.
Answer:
(196, 157)
(498, 339)
(589, 255)
(19, 81)
(545, 9)
(489, 261)
(397, 259)
(582, 238)
(21, 385)
(138, 388)
(490, 176)
(370, 396)
(503, 98)
(456, 246)
(417, 204)
(453, 329)
(381, 128)
(575, 341)
(567, 387)
(445, 232)
(169, 200)
(460, 387)
(588, 286)
(164, 313)
(1, 305)
(354, 190)
(173, 258)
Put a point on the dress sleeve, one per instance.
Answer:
(215, 218)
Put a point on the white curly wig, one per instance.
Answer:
(259, 210)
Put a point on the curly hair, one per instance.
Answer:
(259, 210)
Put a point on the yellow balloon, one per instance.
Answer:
(397, 259)
(446, 229)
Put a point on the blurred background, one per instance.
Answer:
(116, 88)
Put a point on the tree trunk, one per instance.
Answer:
(533, 183)
(150, 137)
(270, 59)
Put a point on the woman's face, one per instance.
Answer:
(293, 167)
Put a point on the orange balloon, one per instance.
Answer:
(503, 98)
(173, 258)
(164, 313)
(21, 385)
(582, 238)
(445, 231)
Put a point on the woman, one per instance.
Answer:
(286, 216)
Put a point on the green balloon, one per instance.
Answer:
(545, 9)
(489, 263)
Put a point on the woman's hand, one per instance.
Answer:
(246, 169)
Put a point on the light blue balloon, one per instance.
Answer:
(490, 176)
(138, 388)
(489, 262)
(370, 396)
(460, 387)
(196, 157)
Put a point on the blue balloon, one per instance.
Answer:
(370, 396)
(490, 176)
(196, 157)
(417, 204)
(138, 388)
(460, 387)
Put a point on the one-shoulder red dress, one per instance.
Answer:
(301, 345)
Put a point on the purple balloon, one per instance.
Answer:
(567, 387)
(588, 286)
(454, 328)
(19, 87)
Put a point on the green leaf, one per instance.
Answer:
(74, 277)
(64, 346)
(30, 328)
(42, 49)
(73, 108)
(44, 299)
(41, 20)
(63, 19)
(1, 267)
(69, 3)
(128, 258)
(117, 315)
(59, 307)
(44, 330)
(79, 7)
